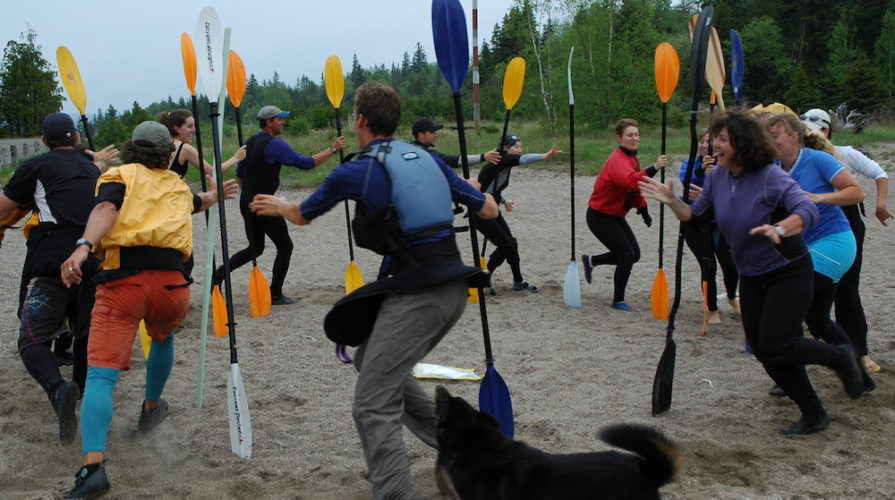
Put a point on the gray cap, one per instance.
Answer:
(268, 112)
(152, 132)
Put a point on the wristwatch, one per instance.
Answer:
(82, 241)
(333, 149)
(779, 229)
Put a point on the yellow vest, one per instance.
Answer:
(156, 213)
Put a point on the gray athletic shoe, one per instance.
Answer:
(150, 418)
(65, 400)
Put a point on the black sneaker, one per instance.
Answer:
(808, 424)
(282, 300)
(588, 268)
(90, 482)
(65, 398)
(850, 374)
(777, 392)
(150, 418)
(524, 285)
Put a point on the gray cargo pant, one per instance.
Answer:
(409, 325)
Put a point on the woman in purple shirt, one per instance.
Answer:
(761, 211)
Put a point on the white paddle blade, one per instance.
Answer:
(209, 58)
(569, 75)
(240, 420)
(571, 287)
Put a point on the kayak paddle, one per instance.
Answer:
(74, 86)
(571, 285)
(663, 381)
(212, 73)
(736, 66)
(334, 81)
(259, 290)
(714, 68)
(452, 52)
(667, 69)
(513, 79)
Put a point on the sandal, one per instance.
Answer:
(870, 366)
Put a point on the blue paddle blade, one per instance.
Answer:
(736, 65)
(451, 41)
(494, 399)
(571, 286)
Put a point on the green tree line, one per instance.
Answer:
(808, 53)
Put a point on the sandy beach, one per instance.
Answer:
(570, 371)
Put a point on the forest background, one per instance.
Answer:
(805, 53)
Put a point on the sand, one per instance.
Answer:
(569, 370)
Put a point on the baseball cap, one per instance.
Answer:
(777, 108)
(268, 112)
(58, 126)
(816, 119)
(425, 125)
(152, 132)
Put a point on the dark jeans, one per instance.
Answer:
(615, 233)
(275, 229)
(773, 306)
(710, 249)
(497, 231)
(849, 310)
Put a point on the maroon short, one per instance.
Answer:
(155, 296)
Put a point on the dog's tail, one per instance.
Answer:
(662, 460)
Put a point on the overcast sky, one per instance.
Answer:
(130, 50)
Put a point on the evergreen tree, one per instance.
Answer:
(28, 87)
(867, 92)
(357, 75)
(884, 52)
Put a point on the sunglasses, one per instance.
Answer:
(813, 118)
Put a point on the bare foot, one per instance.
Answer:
(869, 365)
(735, 304)
(714, 317)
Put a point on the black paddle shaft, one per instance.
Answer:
(662, 178)
(461, 133)
(248, 192)
(219, 174)
(195, 106)
(86, 124)
(347, 212)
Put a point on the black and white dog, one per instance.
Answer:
(486, 465)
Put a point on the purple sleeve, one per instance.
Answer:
(279, 151)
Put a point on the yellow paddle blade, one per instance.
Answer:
(513, 78)
(71, 78)
(145, 339)
(188, 54)
(236, 79)
(219, 313)
(692, 24)
(259, 294)
(668, 68)
(659, 296)
(714, 67)
(334, 80)
(353, 278)
(473, 295)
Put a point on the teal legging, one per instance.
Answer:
(96, 410)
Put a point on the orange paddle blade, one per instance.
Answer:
(259, 294)
(188, 53)
(668, 69)
(219, 313)
(236, 79)
(145, 339)
(353, 278)
(659, 296)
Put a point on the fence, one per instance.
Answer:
(13, 151)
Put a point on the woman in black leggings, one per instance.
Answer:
(615, 193)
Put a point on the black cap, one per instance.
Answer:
(58, 126)
(425, 125)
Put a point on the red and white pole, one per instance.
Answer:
(476, 98)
